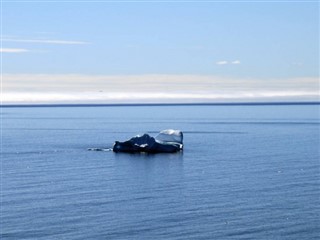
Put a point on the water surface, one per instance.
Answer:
(246, 172)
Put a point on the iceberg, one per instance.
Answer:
(167, 141)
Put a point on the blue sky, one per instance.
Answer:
(248, 46)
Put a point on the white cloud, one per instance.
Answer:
(45, 41)
(13, 50)
(221, 62)
(236, 62)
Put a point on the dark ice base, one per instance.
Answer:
(147, 144)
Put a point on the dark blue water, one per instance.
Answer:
(247, 172)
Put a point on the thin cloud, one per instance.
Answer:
(297, 64)
(13, 50)
(221, 62)
(46, 41)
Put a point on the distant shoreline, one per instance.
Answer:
(156, 104)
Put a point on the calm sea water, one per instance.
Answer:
(246, 172)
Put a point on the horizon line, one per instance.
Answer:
(158, 104)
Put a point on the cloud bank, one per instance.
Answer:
(72, 88)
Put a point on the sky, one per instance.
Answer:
(159, 51)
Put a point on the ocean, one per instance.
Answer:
(246, 172)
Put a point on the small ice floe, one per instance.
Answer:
(100, 149)
(167, 141)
